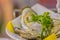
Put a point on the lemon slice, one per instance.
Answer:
(51, 37)
(10, 27)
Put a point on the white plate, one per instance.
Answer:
(39, 9)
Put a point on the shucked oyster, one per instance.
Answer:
(29, 30)
(56, 28)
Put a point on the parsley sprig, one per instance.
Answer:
(46, 22)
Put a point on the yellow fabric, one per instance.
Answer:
(51, 37)
(10, 27)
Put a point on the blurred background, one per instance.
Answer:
(18, 4)
(22, 3)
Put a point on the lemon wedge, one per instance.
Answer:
(10, 27)
(51, 37)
